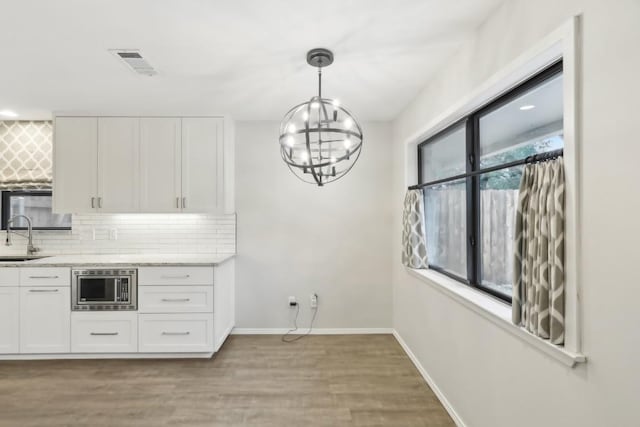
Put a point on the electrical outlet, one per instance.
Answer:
(113, 234)
(292, 302)
(313, 300)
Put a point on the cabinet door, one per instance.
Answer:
(202, 173)
(75, 153)
(45, 316)
(118, 164)
(160, 154)
(9, 319)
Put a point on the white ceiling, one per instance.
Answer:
(244, 57)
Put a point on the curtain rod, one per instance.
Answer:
(536, 158)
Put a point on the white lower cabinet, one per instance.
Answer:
(181, 310)
(45, 316)
(9, 319)
(104, 332)
(175, 333)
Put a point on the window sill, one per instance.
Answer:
(495, 311)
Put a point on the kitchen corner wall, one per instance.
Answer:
(490, 377)
(296, 238)
(137, 233)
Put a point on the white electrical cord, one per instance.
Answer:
(295, 326)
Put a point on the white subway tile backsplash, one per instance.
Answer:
(137, 233)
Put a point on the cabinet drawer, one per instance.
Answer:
(175, 299)
(104, 332)
(9, 276)
(150, 276)
(45, 276)
(175, 333)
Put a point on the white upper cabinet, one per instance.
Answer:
(75, 164)
(118, 164)
(160, 158)
(143, 164)
(202, 169)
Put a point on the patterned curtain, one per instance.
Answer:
(25, 155)
(414, 242)
(538, 291)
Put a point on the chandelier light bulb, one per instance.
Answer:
(290, 141)
(325, 149)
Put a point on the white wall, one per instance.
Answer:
(490, 377)
(296, 238)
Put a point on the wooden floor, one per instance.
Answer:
(355, 380)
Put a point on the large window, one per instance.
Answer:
(470, 174)
(36, 205)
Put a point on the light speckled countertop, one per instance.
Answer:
(121, 259)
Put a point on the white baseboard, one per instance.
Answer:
(443, 399)
(320, 331)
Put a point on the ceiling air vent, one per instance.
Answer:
(134, 60)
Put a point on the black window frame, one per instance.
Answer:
(6, 207)
(472, 175)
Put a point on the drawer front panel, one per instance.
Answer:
(175, 333)
(9, 276)
(175, 299)
(104, 332)
(153, 276)
(45, 276)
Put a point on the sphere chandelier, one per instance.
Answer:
(320, 140)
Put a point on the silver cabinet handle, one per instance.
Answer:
(99, 202)
(43, 290)
(93, 203)
(175, 333)
(178, 202)
(175, 299)
(103, 333)
(184, 202)
(184, 276)
(43, 277)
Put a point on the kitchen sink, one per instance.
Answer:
(18, 258)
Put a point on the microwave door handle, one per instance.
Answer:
(117, 289)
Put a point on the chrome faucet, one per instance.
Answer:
(30, 248)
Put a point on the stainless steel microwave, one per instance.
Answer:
(104, 289)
